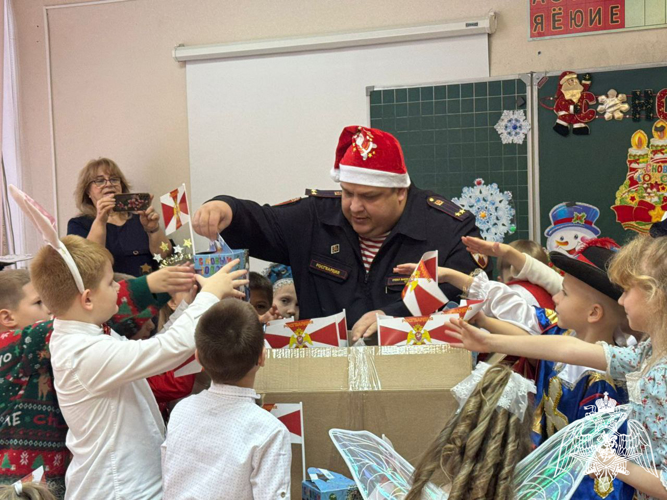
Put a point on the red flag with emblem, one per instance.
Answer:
(421, 294)
(291, 415)
(175, 209)
(330, 331)
(415, 330)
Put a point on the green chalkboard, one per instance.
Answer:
(591, 168)
(448, 136)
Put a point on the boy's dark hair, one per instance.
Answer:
(12, 282)
(229, 340)
(261, 284)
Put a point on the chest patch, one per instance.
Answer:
(329, 269)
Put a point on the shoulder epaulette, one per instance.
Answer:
(288, 202)
(449, 207)
(319, 193)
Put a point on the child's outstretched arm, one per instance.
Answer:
(445, 275)
(494, 249)
(558, 348)
(644, 481)
(527, 267)
(502, 302)
(172, 279)
(497, 326)
(109, 363)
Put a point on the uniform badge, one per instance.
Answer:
(335, 249)
(481, 260)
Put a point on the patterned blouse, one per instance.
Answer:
(647, 389)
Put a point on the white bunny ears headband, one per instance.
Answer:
(46, 225)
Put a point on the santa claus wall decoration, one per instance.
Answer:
(575, 105)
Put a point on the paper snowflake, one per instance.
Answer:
(513, 127)
(492, 208)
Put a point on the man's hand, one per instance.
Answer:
(225, 282)
(212, 218)
(472, 338)
(366, 326)
(172, 279)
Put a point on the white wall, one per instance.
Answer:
(118, 92)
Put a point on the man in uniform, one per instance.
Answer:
(343, 245)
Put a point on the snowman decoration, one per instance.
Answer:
(572, 225)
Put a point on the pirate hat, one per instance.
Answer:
(590, 265)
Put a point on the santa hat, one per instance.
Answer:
(369, 157)
(567, 75)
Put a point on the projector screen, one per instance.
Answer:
(265, 128)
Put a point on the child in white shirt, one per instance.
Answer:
(220, 443)
(115, 427)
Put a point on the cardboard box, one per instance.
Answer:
(325, 485)
(402, 392)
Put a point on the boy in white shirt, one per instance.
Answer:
(220, 443)
(115, 427)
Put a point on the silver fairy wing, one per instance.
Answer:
(636, 447)
(379, 471)
(555, 469)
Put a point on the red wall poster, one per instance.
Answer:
(557, 18)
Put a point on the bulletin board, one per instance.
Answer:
(449, 140)
(592, 168)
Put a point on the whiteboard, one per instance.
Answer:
(266, 128)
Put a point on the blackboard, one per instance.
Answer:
(591, 168)
(448, 137)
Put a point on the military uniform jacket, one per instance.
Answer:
(313, 237)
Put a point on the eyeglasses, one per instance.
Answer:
(101, 181)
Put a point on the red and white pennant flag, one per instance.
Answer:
(175, 209)
(421, 294)
(330, 331)
(291, 415)
(424, 330)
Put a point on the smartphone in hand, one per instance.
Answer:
(132, 202)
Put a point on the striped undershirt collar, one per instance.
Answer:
(370, 247)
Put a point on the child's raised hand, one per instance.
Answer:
(471, 337)
(172, 279)
(409, 269)
(270, 315)
(225, 282)
(478, 245)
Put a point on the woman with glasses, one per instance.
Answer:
(132, 238)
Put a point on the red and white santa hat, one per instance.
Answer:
(369, 157)
(567, 75)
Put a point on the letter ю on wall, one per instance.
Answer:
(562, 18)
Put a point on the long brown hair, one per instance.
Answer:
(86, 176)
(475, 454)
